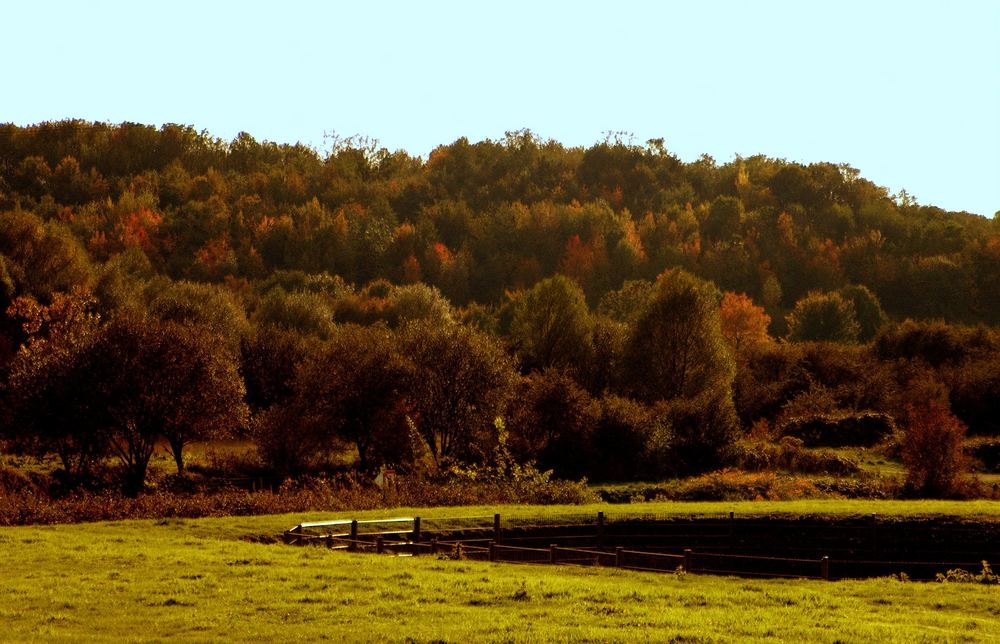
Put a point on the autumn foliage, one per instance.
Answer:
(610, 311)
(744, 324)
(932, 448)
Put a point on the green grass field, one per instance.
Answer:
(199, 580)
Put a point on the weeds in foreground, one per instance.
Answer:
(958, 576)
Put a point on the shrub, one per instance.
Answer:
(824, 317)
(815, 401)
(790, 455)
(934, 342)
(767, 378)
(734, 485)
(859, 430)
(796, 378)
(701, 430)
(14, 481)
(932, 449)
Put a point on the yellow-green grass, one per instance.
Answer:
(198, 580)
(874, 462)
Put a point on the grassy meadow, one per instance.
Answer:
(202, 579)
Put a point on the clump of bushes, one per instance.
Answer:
(736, 485)
(840, 430)
(790, 454)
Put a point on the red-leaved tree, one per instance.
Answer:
(932, 448)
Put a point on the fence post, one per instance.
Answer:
(352, 546)
(416, 529)
(687, 559)
(618, 556)
(329, 541)
(434, 545)
(379, 545)
(493, 551)
(600, 529)
(552, 553)
(825, 566)
(496, 527)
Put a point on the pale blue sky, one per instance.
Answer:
(908, 92)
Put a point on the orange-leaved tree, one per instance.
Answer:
(744, 324)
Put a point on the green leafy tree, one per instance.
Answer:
(205, 391)
(677, 358)
(867, 309)
(605, 368)
(626, 302)
(723, 220)
(269, 359)
(207, 306)
(354, 389)
(417, 302)
(42, 258)
(161, 380)
(551, 325)
(119, 389)
(675, 348)
(121, 281)
(461, 384)
(299, 312)
(824, 317)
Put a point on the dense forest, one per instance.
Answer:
(609, 312)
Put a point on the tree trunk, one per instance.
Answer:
(135, 477)
(177, 449)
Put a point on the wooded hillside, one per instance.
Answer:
(611, 312)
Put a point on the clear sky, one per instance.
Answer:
(907, 92)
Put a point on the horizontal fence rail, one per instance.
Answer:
(702, 544)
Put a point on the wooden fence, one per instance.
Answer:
(700, 545)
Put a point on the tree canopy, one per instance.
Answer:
(159, 285)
